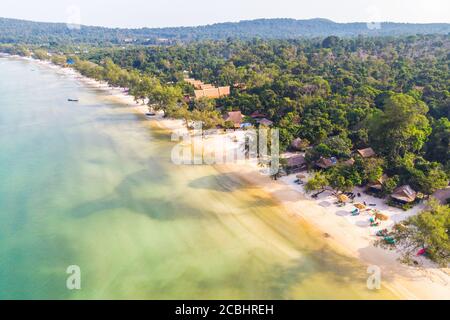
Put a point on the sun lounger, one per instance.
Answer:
(389, 240)
(382, 233)
(422, 252)
(375, 224)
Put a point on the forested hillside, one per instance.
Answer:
(15, 31)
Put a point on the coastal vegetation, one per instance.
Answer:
(424, 234)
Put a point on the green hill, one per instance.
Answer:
(13, 31)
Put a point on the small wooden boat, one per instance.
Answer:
(72, 100)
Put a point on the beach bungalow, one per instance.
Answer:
(326, 163)
(377, 186)
(442, 195)
(404, 194)
(366, 153)
(295, 163)
(258, 115)
(235, 117)
(224, 91)
(349, 162)
(299, 144)
(265, 122)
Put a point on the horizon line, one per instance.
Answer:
(223, 22)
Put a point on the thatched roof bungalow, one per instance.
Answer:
(366, 153)
(326, 163)
(265, 122)
(295, 163)
(235, 117)
(299, 144)
(349, 162)
(404, 194)
(378, 184)
(442, 195)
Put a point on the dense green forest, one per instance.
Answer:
(20, 31)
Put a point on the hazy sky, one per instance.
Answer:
(157, 13)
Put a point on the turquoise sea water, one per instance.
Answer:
(91, 184)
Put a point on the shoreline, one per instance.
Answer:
(407, 282)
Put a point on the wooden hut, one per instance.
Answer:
(404, 194)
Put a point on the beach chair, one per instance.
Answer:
(422, 252)
(389, 240)
(374, 222)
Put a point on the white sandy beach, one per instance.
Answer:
(351, 235)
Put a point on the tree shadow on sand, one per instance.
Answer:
(156, 207)
(219, 182)
(337, 268)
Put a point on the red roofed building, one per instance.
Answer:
(326, 163)
(212, 93)
(265, 122)
(206, 86)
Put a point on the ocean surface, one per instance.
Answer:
(92, 184)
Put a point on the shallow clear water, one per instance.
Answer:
(91, 184)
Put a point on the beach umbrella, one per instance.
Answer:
(360, 206)
(381, 217)
(343, 198)
(301, 176)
